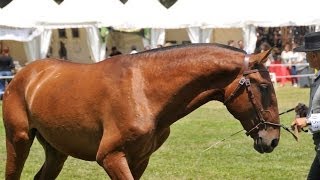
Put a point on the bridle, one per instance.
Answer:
(245, 81)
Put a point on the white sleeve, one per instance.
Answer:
(314, 122)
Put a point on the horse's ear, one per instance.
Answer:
(261, 57)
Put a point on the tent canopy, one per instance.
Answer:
(152, 14)
(144, 14)
(26, 14)
(25, 20)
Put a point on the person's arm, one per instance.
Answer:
(301, 57)
(313, 122)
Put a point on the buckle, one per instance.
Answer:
(247, 82)
(242, 81)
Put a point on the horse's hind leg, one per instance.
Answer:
(18, 141)
(53, 163)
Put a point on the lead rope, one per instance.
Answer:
(280, 125)
(215, 144)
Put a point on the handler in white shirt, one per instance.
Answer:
(312, 49)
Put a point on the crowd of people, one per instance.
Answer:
(289, 67)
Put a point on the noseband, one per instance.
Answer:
(245, 81)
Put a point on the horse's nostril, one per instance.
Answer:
(274, 143)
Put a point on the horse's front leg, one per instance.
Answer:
(112, 159)
(138, 166)
(116, 165)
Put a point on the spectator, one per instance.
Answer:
(261, 37)
(276, 40)
(106, 53)
(265, 47)
(159, 46)
(133, 49)
(231, 43)
(299, 60)
(49, 54)
(167, 44)
(286, 59)
(6, 66)
(147, 47)
(240, 44)
(114, 51)
(63, 51)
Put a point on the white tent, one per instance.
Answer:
(75, 13)
(182, 15)
(110, 13)
(19, 22)
(246, 14)
(144, 14)
(25, 20)
(81, 14)
(186, 13)
(232, 13)
(70, 13)
(284, 14)
(26, 14)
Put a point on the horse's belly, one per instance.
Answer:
(79, 142)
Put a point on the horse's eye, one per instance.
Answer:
(265, 95)
(264, 87)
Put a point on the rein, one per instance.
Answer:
(245, 81)
(281, 125)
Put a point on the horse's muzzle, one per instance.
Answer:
(262, 146)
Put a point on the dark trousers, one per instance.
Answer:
(294, 80)
(314, 173)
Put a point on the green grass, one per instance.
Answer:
(182, 156)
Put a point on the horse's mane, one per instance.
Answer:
(193, 45)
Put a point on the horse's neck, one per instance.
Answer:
(179, 84)
(196, 72)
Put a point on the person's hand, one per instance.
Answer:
(299, 123)
(301, 110)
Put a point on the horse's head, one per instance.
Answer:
(251, 99)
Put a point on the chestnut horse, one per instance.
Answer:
(118, 112)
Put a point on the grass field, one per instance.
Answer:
(182, 156)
